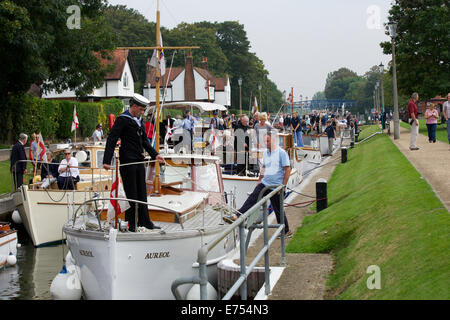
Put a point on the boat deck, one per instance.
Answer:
(211, 219)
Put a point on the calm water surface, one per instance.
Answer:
(31, 277)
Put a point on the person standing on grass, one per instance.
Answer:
(431, 116)
(331, 134)
(413, 114)
(446, 112)
(18, 167)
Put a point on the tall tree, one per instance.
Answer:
(40, 46)
(422, 46)
(338, 82)
(133, 30)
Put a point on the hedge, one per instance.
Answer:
(28, 114)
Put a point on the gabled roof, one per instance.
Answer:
(172, 72)
(218, 83)
(119, 58)
(221, 83)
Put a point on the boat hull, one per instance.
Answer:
(8, 245)
(140, 266)
(43, 217)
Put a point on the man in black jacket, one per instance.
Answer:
(131, 131)
(18, 169)
(241, 145)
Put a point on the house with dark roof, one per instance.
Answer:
(188, 83)
(119, 83)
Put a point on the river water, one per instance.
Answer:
(31, 277)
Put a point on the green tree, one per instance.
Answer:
(319, 95)
(133, 30)
(39, 47)
(338, 82)
(422, 46)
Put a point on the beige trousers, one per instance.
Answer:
(414, 133)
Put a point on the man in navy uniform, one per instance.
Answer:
(130, 129)
(18, 169)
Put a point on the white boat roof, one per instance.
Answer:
(202, 106)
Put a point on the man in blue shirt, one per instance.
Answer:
(188, 125)
(276, 169)
(297, 129)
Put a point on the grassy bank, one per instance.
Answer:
(381, 212)
(367, 130)
(441, 130)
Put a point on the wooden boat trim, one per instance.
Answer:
(8, 241)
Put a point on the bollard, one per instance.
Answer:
(343, 155)
(321, 194)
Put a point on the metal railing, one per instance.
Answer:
(252, 216)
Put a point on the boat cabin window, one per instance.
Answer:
(200, 177)
(87, 156)
(206, 178)
(99, 156)
(171, 174)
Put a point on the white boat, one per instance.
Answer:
(8, 244)
(115, 264)
(44, 211)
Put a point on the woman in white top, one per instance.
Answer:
(69, 174)
(262, 127)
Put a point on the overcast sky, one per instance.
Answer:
(299, 41)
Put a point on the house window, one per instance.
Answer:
(125, 80)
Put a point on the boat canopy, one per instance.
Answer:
(201, 106)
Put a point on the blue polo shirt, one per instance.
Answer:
(273, 162)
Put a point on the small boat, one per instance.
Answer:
(40, 208)
(8, 245)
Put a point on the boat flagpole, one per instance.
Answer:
(157, 181)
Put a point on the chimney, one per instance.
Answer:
(148, 73)
(205, 63)
(189, 80)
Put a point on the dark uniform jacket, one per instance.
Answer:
(18, 153)
(133, 141)
(50, 168)
(241, 137)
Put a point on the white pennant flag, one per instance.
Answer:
(162, 59)
(75, 119)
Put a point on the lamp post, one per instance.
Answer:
(240, 95)
(260, 102)
(393, 34)
(377, 96)
(301, 106)
(381, 83)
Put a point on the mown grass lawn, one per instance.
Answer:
(381, 212)
(5, 177)
(441, 130)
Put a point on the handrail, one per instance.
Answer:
(241, 281)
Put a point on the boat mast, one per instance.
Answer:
(157, 181)
(158, 48)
